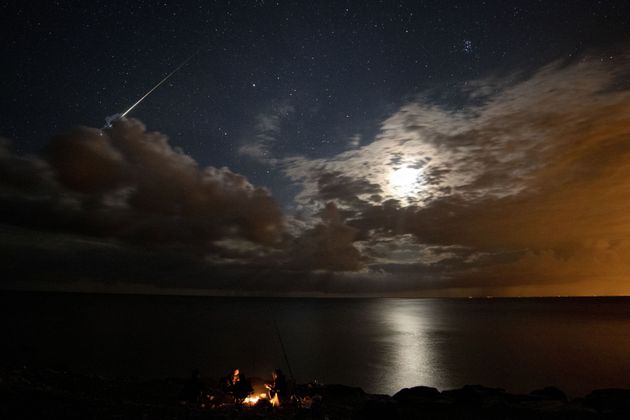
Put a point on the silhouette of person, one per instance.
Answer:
(278, 388)
(237, 385)
(193, 389)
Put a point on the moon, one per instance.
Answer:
(403, 181)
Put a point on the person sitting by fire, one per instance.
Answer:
(278, 389)
(193, 390)
(236, 385)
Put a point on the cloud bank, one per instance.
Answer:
(523, 191)
(130, 185)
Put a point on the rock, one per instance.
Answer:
(377, 409)
(476, 394)
(343, 393)
(550, 393)
(612, 400)
(417, 394)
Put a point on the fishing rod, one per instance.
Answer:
(284, 350)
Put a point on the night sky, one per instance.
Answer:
(421, 148)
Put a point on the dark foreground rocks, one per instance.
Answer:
(47, 394)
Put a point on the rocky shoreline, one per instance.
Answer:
(27, 393)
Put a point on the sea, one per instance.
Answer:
(380, 345)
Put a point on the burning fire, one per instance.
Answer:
(253, 399)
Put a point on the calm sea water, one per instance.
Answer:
(381, 345)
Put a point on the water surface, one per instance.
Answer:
(381, 345)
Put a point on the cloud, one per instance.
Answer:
(127, 184)
(85, 161)
(354, 141)
(336, 186)
(522, 191)
(524, 180)
(327, 246)
(267, 129)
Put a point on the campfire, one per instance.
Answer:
(254, 398)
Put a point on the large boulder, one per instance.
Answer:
(549, 393)
(476, 394)
(417, 394)
(343, 394)
(612, 400)
(378, 409)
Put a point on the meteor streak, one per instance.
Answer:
(112, 118)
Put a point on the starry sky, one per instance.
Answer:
(420, 148)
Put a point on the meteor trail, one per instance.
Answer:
(114, 117)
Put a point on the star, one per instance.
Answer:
(468, 46)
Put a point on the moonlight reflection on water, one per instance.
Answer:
(412, 356)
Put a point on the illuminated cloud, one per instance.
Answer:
(532, 180)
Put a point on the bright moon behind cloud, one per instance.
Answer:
(404, 181)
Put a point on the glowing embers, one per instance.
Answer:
(254, 398)
(404, 181)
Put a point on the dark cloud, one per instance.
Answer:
(128, 184)
(327, 246)
(336, 186)
(85, 161)
(20, 174)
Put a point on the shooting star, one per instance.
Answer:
(109, 120)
